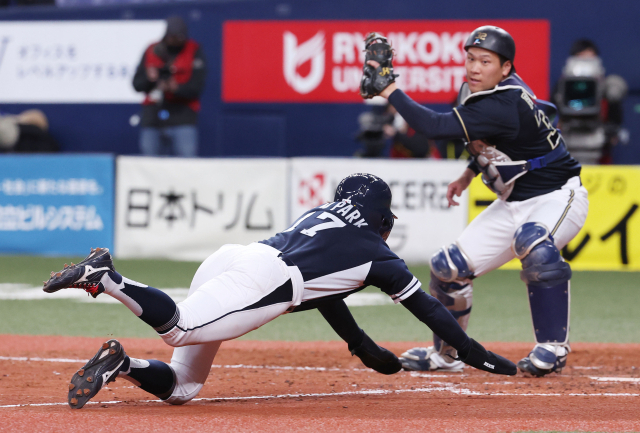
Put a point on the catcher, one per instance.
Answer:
(330, 252)
(522, 157)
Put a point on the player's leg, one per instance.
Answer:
(177, 382)
(255, 287)
(150, 141)
(112, 362)
(484, 245)
(184, 140)
(182, 379)
(556, 219)
(218, 279)
(96, 274)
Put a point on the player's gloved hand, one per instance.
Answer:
(482, 359)
(376, 357)
(376, 79)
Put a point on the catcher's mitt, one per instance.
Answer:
(375, 80)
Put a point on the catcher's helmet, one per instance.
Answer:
(372, 196)
(494, 39)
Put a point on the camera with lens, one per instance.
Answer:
(580, 93)
(371, 133)
(164, 73)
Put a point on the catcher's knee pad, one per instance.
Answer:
(450, 264)
(542, 264)
(547, 277)
(458, 299)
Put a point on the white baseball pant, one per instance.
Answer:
(230, 280)
(487, 240)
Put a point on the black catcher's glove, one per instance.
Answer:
(376, 357)
(482, 359)
(375, 80)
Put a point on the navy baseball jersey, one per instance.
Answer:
(338, 253)
(507, 117)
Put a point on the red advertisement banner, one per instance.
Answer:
(321, 61)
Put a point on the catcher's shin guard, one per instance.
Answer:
(451, 274)
(458, 300)
(547, 277)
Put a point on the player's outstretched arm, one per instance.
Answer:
(337, 314)
(433, 314)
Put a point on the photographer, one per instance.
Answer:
(373, 133)
(590, 105)
(171, 74)
(383, 124)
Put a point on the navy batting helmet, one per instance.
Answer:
(372, 195)
(494, 39)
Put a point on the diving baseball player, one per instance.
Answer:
(523, 159)
(330, 252)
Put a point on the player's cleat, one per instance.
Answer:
(428, 359)
(544, 359)
(99, 371)
(84, 275)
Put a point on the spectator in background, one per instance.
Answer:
(590, 105)
(172, 75)
(381, 125)
(405, 141)
(26, 132)
(372, 133)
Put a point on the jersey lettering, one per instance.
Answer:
(297, 223)
(361, 223)
(334, 224)
(343, 211)
(542, 118)
(527, 99)
(339, 205)
(353, 216)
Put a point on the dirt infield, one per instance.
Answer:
(317, 386)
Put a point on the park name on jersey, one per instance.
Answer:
(344, 210)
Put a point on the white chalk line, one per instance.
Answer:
(443, 386)
(304, 368)
(449, 388)
(616, 379)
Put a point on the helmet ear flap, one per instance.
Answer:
(387, 224)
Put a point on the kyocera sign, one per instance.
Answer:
(321, 61)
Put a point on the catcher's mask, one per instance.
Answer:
(372, 196)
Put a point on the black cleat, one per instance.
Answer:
(102, 369)
(84, 275)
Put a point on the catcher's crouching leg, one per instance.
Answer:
(451, 284)
(547, 277)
